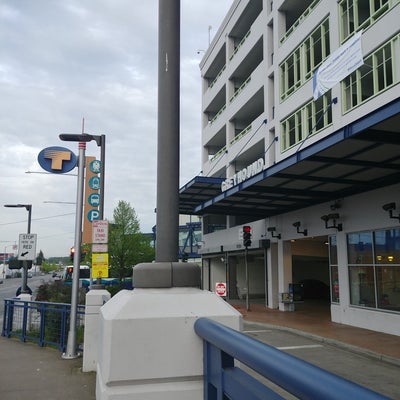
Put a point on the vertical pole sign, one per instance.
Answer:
(92, 197)
(99, 249)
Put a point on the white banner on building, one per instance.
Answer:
(338, 65)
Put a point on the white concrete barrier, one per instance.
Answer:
(148, 349)
(95, 299)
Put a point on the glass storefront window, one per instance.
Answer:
(332, 250)
(362, 286)
(387, 246)
(334, 284)
(388, 287)
(374, 269)
(359, 248)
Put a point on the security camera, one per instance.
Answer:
(271, 229)
(297, 224)
(333, 216)
(325, 218)
(389, 206)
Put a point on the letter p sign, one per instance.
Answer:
(93, 215)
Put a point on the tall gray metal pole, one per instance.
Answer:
(168, 131)
(24, 288)
(102, 174)
(70, 351)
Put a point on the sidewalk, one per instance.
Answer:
(28, 371)
(37, 373)
(313, 320)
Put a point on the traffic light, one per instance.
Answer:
(71, 254)
(247, 236)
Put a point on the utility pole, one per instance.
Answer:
(168, 131)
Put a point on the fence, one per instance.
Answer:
(222, 379)
(42, 322)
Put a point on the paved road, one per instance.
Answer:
(9, 287)
(374, 374)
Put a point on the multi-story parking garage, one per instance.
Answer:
(301, 141)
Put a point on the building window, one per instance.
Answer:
(298, 67)
(374, 269)
(376, 75)
(308, 120)
(356, 14)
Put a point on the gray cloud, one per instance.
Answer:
(62, 61)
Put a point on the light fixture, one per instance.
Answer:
(333, 218)
(390, 207)
(272, 229)
(297, 226)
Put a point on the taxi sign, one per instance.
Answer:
(27, 246)
(100, 231)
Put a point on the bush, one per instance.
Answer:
(58, 292)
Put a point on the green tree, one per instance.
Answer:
(127, 246)
(40, 258)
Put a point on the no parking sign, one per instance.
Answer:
(220, 289)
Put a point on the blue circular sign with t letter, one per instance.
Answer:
(57, 160)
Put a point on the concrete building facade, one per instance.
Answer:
(316, 174)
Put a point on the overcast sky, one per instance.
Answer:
(62, 61)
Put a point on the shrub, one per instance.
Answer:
(58, 292)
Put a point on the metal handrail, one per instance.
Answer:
(46, 323)
(223, 345)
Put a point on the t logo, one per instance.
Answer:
(57, 160)
(57, 157)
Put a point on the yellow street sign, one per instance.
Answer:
(100, 265)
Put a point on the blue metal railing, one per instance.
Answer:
(222, 379)
(42, 322)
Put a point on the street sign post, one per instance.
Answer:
(27, 246)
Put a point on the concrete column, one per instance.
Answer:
(284, 269)
(95, 299)
(272, 271)
(338, 312)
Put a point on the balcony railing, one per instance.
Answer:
(217, 77)
(240, 89)
(218, 154)
(222, 379)
(242, 133)
(240, 45)
(218, 114)
(300, 20)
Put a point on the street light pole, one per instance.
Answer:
(70, 351)
(25, 263)
(82, 139)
